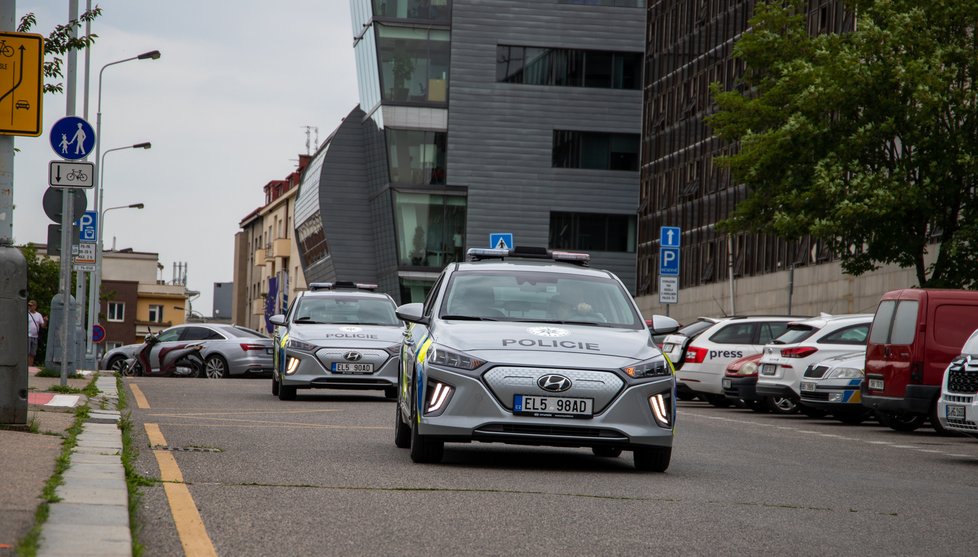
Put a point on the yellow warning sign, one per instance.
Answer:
(21, 83)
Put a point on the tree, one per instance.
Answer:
(59, 42)
(867, 140)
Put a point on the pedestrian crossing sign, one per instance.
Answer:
(501, 240)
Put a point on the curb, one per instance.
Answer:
(92, 515)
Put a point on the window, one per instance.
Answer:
(850, 335)
(438, 10)
(568, 67)
(200, 333)
(416, 156)
(116, 311)
(413, 64)
(592, 232)
(735, 333)
(595, 150)
(155, 313)
(430, 228)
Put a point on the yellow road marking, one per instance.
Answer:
(190, 526)
(137, 394)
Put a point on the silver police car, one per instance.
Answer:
(337, 335)
(535, 348)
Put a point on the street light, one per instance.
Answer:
(94, 288)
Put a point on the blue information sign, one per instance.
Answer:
(501, 240)
(72, 138)
(88, 227)
(669, 262)
(669, 236)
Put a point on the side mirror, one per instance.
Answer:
(412, 313)
(662, 325)
(278, 319)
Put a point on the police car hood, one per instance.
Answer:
(373, 336)
(540, 344)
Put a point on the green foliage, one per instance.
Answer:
(60, 42)
(867, 140)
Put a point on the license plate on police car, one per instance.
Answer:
(876, 384)
(955, 412)
(532, 405)
(807, 386)
(768, 369)
(344, 367)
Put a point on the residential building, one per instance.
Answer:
(689, 45)
(223, 297)
(267, 273)
(478, 117)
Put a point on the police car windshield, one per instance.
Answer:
(345, 310)
(539, 297)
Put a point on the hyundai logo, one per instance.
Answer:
(554, 383)
(353, 356)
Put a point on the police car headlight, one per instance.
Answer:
(654, 367)
(845, 373)
(300, 345)
(442, 356)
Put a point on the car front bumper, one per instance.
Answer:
(965, 409)
(741, 388)
(473, 413)
(832, 394)
(311, 374)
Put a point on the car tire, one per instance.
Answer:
(652, 459)
(606, 452)
(390, 393)
(117, 364)
(135, 371)
(216, 367)
(424, 449)
(718, 401)
(286, 393)
(685, 395)
(901, 422)
(782, 405)
(402, 433)
(274, 386)
(812, 412)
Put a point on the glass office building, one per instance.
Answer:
(477, 117)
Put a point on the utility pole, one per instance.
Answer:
(13, 280)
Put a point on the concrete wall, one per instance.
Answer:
(822, 288)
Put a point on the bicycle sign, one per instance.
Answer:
(65, 174)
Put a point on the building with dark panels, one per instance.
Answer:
(222, 300)
(689, 46)
(478, 117)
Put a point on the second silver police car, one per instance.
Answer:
(534, 350)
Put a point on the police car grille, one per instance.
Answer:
(505, 382)
(816, 371)
(962, 381)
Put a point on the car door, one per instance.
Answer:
(415, 335)
(203, 335)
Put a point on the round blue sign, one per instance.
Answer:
(72, 138)
(98, 333)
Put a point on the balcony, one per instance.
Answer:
(268, 252)
(259, 256)
(281, 247)
(258, 306)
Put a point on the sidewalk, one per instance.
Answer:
(92, 517)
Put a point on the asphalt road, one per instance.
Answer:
(321, 476)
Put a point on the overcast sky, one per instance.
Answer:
(224, 107)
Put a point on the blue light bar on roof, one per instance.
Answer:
(487, 253)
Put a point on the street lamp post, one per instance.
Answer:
(94, 288)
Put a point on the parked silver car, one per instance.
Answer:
(229, 350)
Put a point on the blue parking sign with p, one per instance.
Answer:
(669, 262)
(88, 227)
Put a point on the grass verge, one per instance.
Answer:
(45, 372)
(133, 479)
(27, 547)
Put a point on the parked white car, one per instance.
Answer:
(957, 408)
(805, 342)
(728, 340)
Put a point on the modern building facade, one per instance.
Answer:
(479, 117)
(266, 263)
(689, 46)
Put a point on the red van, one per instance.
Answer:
(914, 335)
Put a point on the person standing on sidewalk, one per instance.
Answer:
(35, 322)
